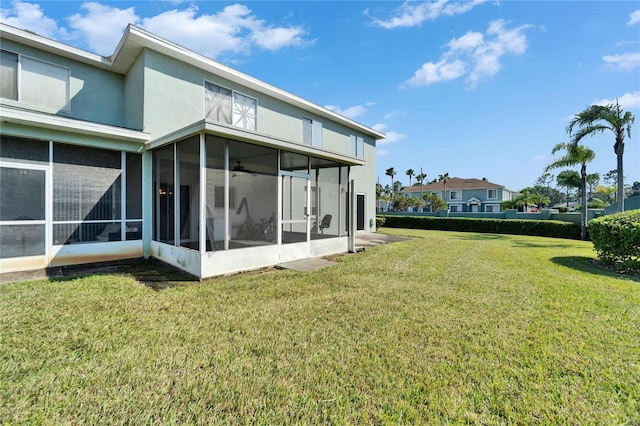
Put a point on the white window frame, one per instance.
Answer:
(453, 208)
(66, 108)
(495, 208)
(489, 197)
(240, 117)
(459, 193)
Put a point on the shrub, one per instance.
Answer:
(561, 209)
(616, 239)
(379, 221)
(540, 228)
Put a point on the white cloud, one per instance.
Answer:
(99, 27)
(411, 14)
(623, 61)
(29, 16)
(474, 54)
(395, 113)
(539, 157)
(389, 136)
(470, 40)
(351, 112)
(431, 73)
(634, 18)
(626, 101)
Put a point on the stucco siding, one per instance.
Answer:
(95, 94)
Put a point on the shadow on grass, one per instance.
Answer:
(590, 266)
(480, 237)
(516, 241)
(152, 273)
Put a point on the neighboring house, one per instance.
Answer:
(159, 151)
(465, 195)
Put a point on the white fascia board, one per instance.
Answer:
(34, 40)
(254, 138)
(54, 122)
(135, 39)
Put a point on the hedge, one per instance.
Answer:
(616, 239)
(540, 228)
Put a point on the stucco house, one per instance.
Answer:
(465, 195)
(158, 151)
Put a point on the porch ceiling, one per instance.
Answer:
(251, 137)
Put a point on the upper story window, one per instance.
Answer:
(357, 146)
(226, 106)
(455, 195)
(311, 132)
(492, 193)
(34, 82)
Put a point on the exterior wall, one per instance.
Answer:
(365, 182)
(95, 94)
(134, 95)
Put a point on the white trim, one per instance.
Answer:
(54, 122)
(242, 135)
(490, 197)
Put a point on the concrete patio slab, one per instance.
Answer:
(305, 265)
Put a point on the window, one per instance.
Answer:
(229, 107)
(39, 83)
(219, 197)
(306, 130)
(453, 209)
(8, 75)
(455, 195)
(490, 209)
(357, 146)
(311, 132)
(492, 193)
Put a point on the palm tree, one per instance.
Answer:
(391, 172)
(410, 173)
(598, 118)
(444, 178)
(576, 155)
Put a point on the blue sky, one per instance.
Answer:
(474, 89)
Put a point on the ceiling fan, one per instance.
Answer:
(240, 168)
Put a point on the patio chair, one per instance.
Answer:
(324, 223)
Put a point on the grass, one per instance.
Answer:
(445, 328)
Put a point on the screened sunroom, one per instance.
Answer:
(222, 205)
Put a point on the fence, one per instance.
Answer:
(544, 214)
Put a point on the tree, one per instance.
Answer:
(593, 179)
(545, 180)
(420, 178)
(605, 193)
(596, 120)
(410, 173)
(568, 179)
(576, 155)
(444, 178)
(635, 189)
(397, 187)
(391, 172)
(435, 202)
(538, 199)
(554, 196)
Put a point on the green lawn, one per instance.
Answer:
(447, 328)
